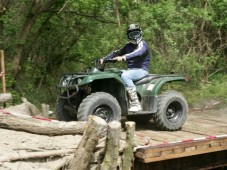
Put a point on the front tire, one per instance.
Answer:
(172, 111)
(63, 109)
(99, 104)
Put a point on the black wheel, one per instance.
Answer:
(100, 104)
(172, 111)
(140, 119)
(63, 111)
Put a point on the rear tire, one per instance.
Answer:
(100, 104)
(172, 111)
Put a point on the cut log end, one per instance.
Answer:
(5, 97)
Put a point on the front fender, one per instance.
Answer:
(110, 83)
(91, 78)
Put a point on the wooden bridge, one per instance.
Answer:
(201, 144)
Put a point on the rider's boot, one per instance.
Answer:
(133, 100)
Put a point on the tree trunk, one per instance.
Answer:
(1, 33)
(4, 5)
(116, 10)
(20, 46)
(37, 7)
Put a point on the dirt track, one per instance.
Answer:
(14, 143)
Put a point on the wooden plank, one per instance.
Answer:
(204, 161)
(206, 129)
(216, 118)
(198, 125)
(158, 136)
(167, 136)
(209, 120)
(190, 130)
(177, 150)
(185, 154)
(193, 128)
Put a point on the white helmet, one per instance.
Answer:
(134, 33)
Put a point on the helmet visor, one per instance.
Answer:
(134, 35)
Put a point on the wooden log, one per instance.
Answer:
(39, 126)
(5, 97)
(60, 165)
(25, 108)
(95, 129)
(45, 110)
(98, 156)
(35, 155)
(95, 161)
(128, 156)
(110, 161)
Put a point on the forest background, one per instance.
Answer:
(42, 39)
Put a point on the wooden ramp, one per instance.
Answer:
(204, 132)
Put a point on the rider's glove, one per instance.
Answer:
(120, 58)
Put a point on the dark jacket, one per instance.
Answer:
(137, 55)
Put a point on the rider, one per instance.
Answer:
(137, 55)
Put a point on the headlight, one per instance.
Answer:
(69, 80)
(79, 80)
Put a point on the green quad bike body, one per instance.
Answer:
(101, 92)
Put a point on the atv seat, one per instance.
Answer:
(147, 79)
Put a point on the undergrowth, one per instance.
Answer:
(214, 89)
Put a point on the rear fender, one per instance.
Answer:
(160, 82)
(148, 93)
(153, 88)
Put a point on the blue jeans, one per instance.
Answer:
(131, 75)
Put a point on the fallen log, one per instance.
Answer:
(25, 108)
(35, 155)
(96, 128)
(39, 125)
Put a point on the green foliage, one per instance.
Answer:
(215, 89)
(187, 37)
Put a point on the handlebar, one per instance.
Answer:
(107, 61)
(102, 66)
(110, 61)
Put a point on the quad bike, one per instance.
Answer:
(100, 91)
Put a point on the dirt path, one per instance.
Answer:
(14, 143)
